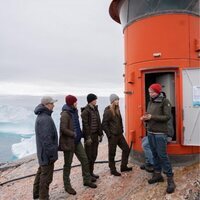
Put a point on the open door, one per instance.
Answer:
(191, 106)
(167, 80)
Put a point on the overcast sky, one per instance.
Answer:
(59, 46)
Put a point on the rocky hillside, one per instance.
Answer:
(130, 186)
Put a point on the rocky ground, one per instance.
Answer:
(130, 186)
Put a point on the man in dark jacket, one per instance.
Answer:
(157, 117)
(113, 127)
(92, 130)
(70, 144)
(47, 147)
(148, 166)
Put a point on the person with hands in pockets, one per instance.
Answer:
(47, 147)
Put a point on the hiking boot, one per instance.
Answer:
(95, 175)
(142, 167)
(170, 185)
(90, 184)
(70, 190)
(115, 173)
(157, 177)
(93, 179)
(149, 168)
(36, 196)
(126, 169)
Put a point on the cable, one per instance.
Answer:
(56, 170)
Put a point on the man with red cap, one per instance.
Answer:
(70, 143)
(157, 117)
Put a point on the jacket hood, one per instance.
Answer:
(42, 109)
(68, 108)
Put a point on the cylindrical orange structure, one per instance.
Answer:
(162, 44)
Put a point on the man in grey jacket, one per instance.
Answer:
(47, 147)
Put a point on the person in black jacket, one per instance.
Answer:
(47, 147)
(113, 127)
(92, 130)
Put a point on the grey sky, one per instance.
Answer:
(59, 46)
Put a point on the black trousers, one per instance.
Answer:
(113, 142)
(42, 181)
(92, 151)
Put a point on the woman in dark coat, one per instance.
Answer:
(70, 144)
(113, 127)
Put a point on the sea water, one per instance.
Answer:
(17, 121)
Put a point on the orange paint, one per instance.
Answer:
(161, 43)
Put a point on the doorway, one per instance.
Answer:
(167, 80)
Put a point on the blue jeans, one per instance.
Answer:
(158, 145)
(147, 151)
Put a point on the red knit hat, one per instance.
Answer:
(70, 100)
(156, 87)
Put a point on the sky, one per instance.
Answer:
(60, 47)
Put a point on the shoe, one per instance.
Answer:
(126, 169)
(95, 175)
(36, 196)
(142, 167)
(157, 177)
(93, 179)
(149, 168)
(70, 190)
(90, 184)
(170, 185)
(115, 173)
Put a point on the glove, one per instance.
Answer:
(100, 138)
(88, 141)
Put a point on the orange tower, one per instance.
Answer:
(162, 44)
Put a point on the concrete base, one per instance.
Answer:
(176, 160)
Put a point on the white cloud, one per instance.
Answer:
(8, 88)
(70, 43)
